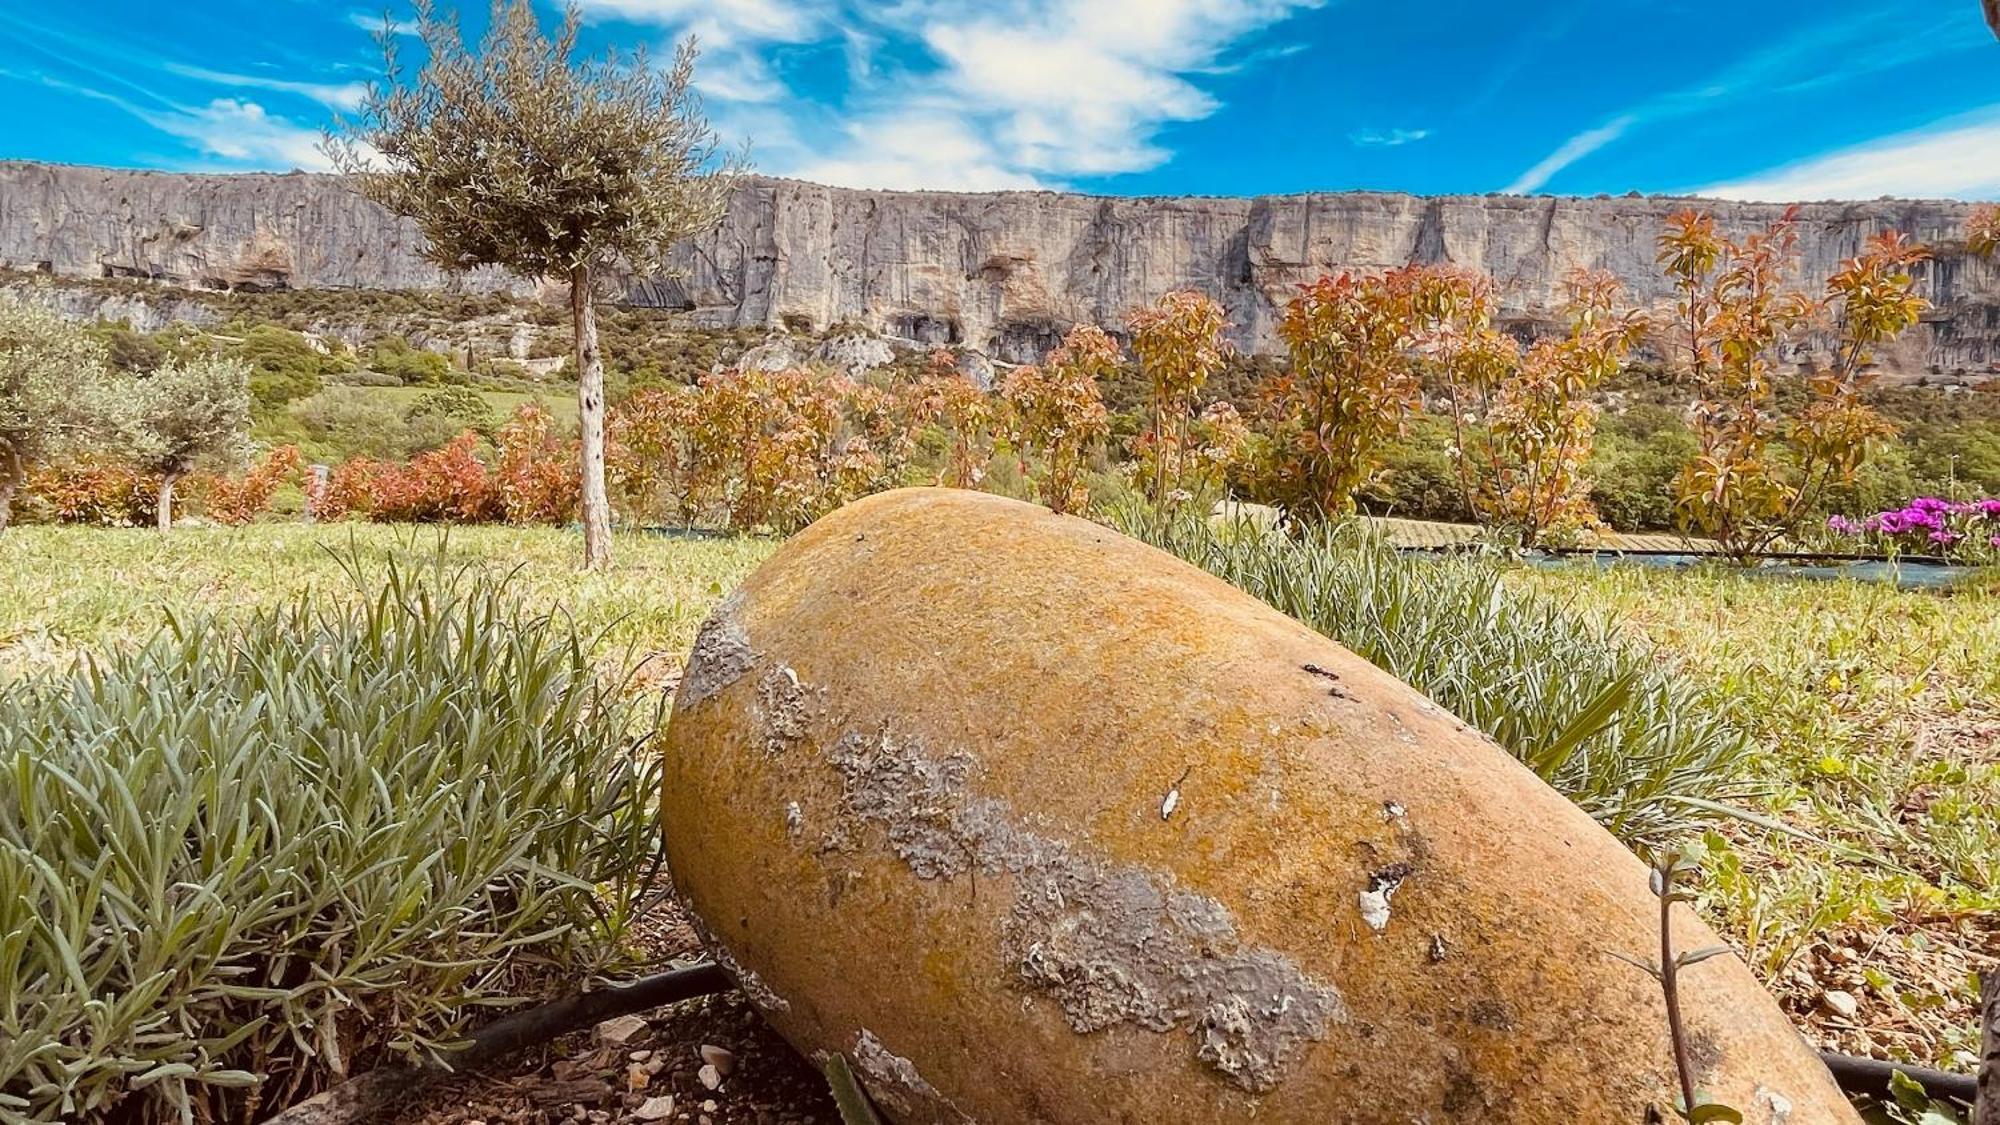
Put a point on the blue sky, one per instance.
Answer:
(1771, 99)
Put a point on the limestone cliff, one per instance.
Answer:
(1005, 273)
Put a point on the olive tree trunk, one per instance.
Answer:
(590, 420)
(165, 516)
(12, 471)
(1987, 1109)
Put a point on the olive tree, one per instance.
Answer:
(516, 155)
(55, 390)
(185, 413)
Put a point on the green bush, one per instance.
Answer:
(342, 422)
(411, 366)
(1632, 470)
(1604, 721)
(463, 407)
(283, 364)
(239, 862)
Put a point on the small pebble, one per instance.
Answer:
(1842, 1004)
(620, 1031)
(656, 1109)
(723, 1060)
(709, 1076)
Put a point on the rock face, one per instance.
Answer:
(1004, 273)
(1035, 823)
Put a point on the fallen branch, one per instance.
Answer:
(365, 1097)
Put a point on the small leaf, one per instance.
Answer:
(848, 1096)
(1714, 1111)
(1697, 956)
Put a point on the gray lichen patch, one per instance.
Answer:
(893, 1081)
(1109, 943)
(785, 709)
(1777, 1107)
(760, 994)
(721, 653)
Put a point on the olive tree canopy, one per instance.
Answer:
(184, 413)
(517, 155)
(55, 392)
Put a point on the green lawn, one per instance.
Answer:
(1877, 717)
(1877, 714)
(66, 590)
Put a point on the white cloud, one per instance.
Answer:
(1387, 138)
(1961, 160)
(920, 149)
(1572, 150)
(1083, 87)
(732, 35)
(243, 133)
(337, 95)
(970, 93)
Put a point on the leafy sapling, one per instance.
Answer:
(1672, 867)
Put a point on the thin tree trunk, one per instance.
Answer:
(1987, 1110)
(11, 473)
(590, 420)
(166, 513)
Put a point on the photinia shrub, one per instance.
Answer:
(969, 417)
(537, 474)
(1352, 383)
(1059, 414)
(234, 501)
(1542, 424)
(94, 492)
(649, 457)
(448, 485)
(1178, 343)
(1733, 319)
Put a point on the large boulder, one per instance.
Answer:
(1035, 823)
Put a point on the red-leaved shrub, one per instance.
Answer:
(238, 500)
(539, 476)
(93, 491)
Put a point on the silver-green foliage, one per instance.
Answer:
(187, 411)
(55, 385)
(237, 863)
(1602, 719)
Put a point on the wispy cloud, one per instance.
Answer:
(1571, 151)
(334, 95)
(1960, 159)
(1387, 138)
(238, 133)
(1866, 42)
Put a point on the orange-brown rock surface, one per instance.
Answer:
(1037, 824)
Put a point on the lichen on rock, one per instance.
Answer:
(1109, 943)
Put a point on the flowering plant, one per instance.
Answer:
(1964, 529)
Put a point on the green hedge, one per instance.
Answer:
(239, 862)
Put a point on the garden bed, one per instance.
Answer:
(1869, 708)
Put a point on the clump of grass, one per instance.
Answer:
(242, 860)
(1603, 720)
